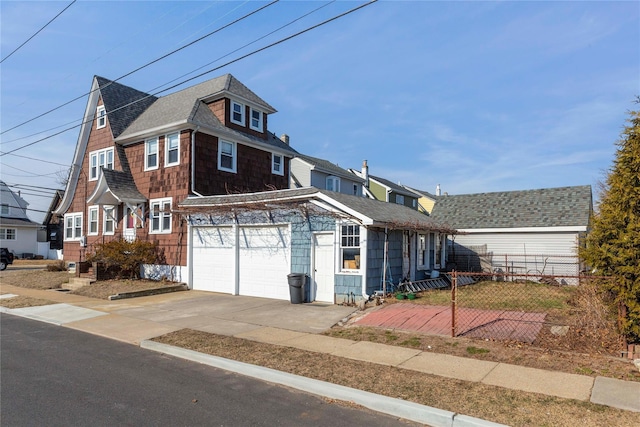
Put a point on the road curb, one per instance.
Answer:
(390, 406)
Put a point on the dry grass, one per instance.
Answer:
(34, 279)
(23, 301)
(106, 288)
(474, 399)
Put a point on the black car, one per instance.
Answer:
(6, 258)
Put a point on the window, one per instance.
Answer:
(333, 183)
(7, 234)
(237, 113)
(226, 156)
(277, 166)
(4, 209)
(160, 215)
(99, 158)
(423, 261)
(101, 117)
(109, 225)
(256, 120)
(73, 226)
(400, 199)
(151, 154)
(93, 221)
(350, 247)
(355, 189)
(172, 149)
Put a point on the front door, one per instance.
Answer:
(323, 283)
(129, 232)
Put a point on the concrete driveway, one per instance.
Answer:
(225, 314)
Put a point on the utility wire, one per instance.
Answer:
(144, 66)
(204, 73)
(39, 160)
(36, 33)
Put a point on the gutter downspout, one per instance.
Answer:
(193, 162)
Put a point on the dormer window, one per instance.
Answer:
(256, 120)
(333, 183)
(101, 117)
(99, 158)
(237, 113)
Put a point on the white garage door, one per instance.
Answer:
(213, 267)
(265, 261)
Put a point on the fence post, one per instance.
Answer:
(454, 286)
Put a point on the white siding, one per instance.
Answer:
(300, 174)
(523, 243)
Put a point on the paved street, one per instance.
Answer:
(57, 376)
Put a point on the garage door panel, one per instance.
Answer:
(265, 261)
(213, 259)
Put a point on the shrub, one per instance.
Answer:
(58, 266)
(124, 257)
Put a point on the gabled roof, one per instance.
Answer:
(185, 106)
(386, 183)
(18, 222)
(55, 202)
(123, 104)
(368, 211)
(547, 207)
(328, 167)
(420, 193)
(115, 187)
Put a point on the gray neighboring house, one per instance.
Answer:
(524, 224)
(384, 190)
(348, 246)
(17, 232)
(307, 171)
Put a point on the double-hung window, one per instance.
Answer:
(93, 221)
(4, 209)
(400, 199)
(333, 184)
(350, 246)
(73, 226)
(172, 149)
(151, 154)
(99, 158)
(277, 164)
(226, 156)
(160, 216)
(7, 234)
(101, 117)
(109, 216)
(255, 119)
(237, 113)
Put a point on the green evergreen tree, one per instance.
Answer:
(613, 245)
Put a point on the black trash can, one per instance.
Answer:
(296, 287)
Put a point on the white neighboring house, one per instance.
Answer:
(17, 232)
(533, 230)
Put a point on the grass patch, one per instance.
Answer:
(476, 350)
(22, 302)
(412, 342)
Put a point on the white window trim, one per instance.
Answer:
(101, 116)
(147, 153)
(96, 155)
(4, 234)
(273, 164)
(74, 236)
(242, 120)
(166, 149)
(234, 155)
(259, 127)
(106, 218)
(342, 268)
(95, 209)
(336, 183)
(161, 215)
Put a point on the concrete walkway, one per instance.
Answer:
(298, 325)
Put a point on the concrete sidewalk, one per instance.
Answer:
(298, 325)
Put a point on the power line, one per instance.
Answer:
(39, 160)
(203, 73)
(144, 66)
(22, 209)
(36, 33)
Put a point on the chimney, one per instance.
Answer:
(438, 190)
(365, 173)
(285, 138)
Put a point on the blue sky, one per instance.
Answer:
(474, 96)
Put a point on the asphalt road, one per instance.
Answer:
(57, 376)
